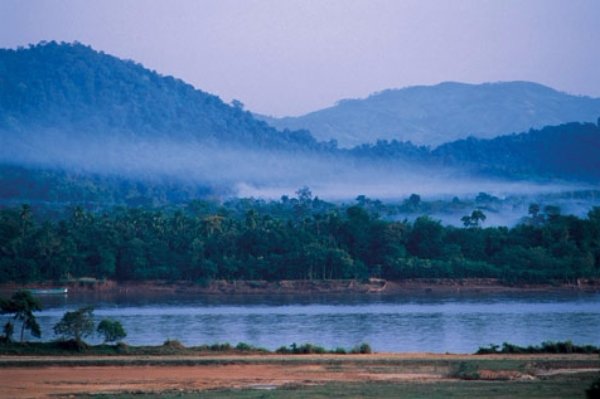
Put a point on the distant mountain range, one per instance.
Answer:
(434, 115)
(81, 125)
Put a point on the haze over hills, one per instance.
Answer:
(433, 115)
(81, 125)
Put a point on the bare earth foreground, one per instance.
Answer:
(200, 376)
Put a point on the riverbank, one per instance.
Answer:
(433, 375)
(299, 287)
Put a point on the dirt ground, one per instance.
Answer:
(68, 376)
(304, 287)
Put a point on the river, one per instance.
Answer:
(430, 323)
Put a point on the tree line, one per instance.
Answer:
(295, 238)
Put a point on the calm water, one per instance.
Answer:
(452, 323)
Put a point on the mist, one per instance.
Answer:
(252, 171)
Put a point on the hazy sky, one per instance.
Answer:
(286, 57)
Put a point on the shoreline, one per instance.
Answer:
(307, 287)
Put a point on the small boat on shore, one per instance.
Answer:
(50, 291)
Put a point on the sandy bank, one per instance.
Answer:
(299, 287)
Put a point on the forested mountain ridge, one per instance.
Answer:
(73, 87)
(569, 151)
(433, 115)
(79, 126)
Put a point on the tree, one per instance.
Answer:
(23, 304)
(112, 330)
(477, 217)
(77, 324)
(8, 331)
(413, 202)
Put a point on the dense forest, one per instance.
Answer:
(294, 238)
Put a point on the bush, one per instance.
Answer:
(72, 345)
(112, 330)
(225, 347)
(301, 350)
(487, 350)
(173, 344)
(122, 347)
(545, 347)
(363, 348)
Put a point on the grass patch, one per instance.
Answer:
(169, 347)
(548, 389)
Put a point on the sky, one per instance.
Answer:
(290, 57)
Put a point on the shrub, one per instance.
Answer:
(363, 348)
(112, 330)
(122, 347)
(173, 344)
(301, 350)
(225, 347)
(545, 347)
(243, 347)
(72, 345)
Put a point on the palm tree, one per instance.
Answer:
(23, 304)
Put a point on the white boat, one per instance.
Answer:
(50, 291)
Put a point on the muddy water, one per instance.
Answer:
(443, 323)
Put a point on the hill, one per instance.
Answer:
(74, 88)
(81, 126)
(433, 115)
(570, 151)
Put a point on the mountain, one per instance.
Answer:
(67, 108)
(74, 88)
(81, 126)
(433, 115)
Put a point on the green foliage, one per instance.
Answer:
(303, 349)
(173, 344)
(295, 238)
(22, 304)
(545, 347)
(77, 324)
(243, 347)
(363, 348)
(111, 330)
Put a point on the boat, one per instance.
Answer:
(50, 291)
